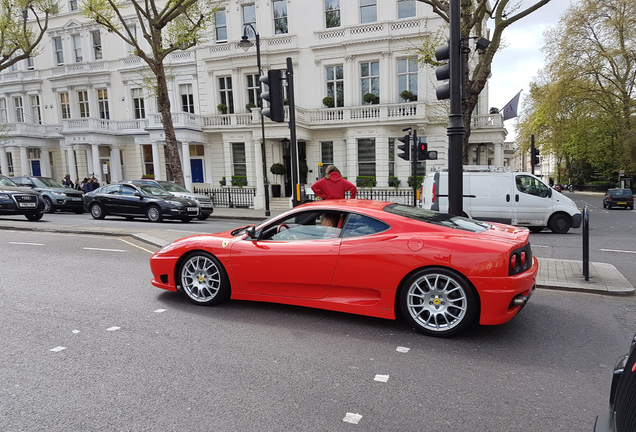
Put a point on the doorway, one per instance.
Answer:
(196, 167)
(35, 168)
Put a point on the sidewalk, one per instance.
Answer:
(553, 273)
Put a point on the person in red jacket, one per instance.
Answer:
(333, 186)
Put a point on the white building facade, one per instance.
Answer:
(80, 107)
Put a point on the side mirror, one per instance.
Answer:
(251, 232)
(138, 194)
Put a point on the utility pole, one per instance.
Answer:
(456, 122)
(532, 154)
(292, 133)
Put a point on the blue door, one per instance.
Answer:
(35, 168)
(196, 165)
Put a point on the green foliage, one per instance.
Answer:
(238, 180)
(248, 106)
(148, 176)
(365, 181)
(303, 169)
(222, 108)
(408, 96)
(278, 169)
(370, 98)
(395, 182)
(328, 102)
(222, 181)
(420, 179)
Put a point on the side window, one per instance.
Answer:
(313, 225)
(112, 189)
(532, 186)
(359, 225)
(127, 190)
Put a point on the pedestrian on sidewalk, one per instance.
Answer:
(333, 186)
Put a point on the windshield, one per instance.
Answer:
(6, 182)
(436, 218)
(153, 190)
(173, 187)
(45, 182)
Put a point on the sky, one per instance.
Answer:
(518, 63)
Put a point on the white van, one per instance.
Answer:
(514, 198)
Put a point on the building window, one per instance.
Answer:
(249, 17)
(197, 150)
(149, 167)
(225, 94)
(19, 109)
(253, 90)
(332, 13)
(59, 52)
(97, 45)
(65, 106)
(36, 113)
(406, 8)
(82, 99)
(407, 76)
(335, 84)
(133, 31)
(102, 104)
(369, 79)
(30, 63)
(280, 16)
(187, 98)
(10, 163)
(391, 157)
(220, 23)
(238, 159)
(366, 157)
(3, 112)
(139, 111)
(73, 4)
(77, 48)
(326, 153)
(368, 11)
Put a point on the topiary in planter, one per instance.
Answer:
(222, 108)
(370, 98)
(365, 181)
(328, 102)
(408, 96)
(239, 181)
(249, 106)
(278, 169)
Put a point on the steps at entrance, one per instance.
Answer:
(279, 204)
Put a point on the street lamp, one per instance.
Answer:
(246, 45)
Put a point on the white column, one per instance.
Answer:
(385, 71)
(45, 162)
(90, 168)
(4, 162)
(499, 153)
(115, 164)
(95, 166)
(187, 169)
(259, 199)
(352, 159)
(156, 161)
(351, 82)
(72, 171)
(24, 162)
(207, 160)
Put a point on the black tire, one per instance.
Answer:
(48, 205)
(154, 214)
(559, 223)
(203, 217)
(604, 205)
(186, 219)
(97, 211)
(535, 229)
(202, 279)
(34, 216)
(438, 302)
(631, 207)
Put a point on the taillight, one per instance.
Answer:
(434, 193)
(523, 259)
(513, 262)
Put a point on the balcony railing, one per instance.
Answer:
(486, 121)
(95, 124)
(31, 129)
(385, 29)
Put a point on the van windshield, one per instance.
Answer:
(443, 219)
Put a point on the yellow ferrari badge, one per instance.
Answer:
(225, 243)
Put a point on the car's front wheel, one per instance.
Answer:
(34, 216)
(154, 214)
(97, 211)
(559, 223)
(203, 279)
(438, 302)
(535, 229)
(48, 205)
(203, 216)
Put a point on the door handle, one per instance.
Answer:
(507, 197)
(517, 197)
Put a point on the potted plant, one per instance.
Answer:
(222, 108)
(365, 181)
(249, 106)
(148, 176)
(328, 102)
(395, 182)
(239, 180)
(408, 96)
(277, 169)
(370, 98)
(222, 182)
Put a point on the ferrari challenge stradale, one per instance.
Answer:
(441, 272)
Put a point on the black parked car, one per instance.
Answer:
(56, 196)
(16, 200)
(133, 201)
(618, 198)
(621, 416)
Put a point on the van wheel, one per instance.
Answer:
(559, 223)
(535, 229)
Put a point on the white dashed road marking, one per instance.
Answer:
(105, 250)
(160, 310)
(381, 378)
(58, 349)
(112, 328)
(138, 247)
(30, 244)
(403, 349)
(76, 331)
(352, 418)
(620, 251)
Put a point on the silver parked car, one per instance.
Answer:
(205, 203)
(56, 196)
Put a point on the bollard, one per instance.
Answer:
(586, 243)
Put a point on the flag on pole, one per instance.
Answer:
(510, 109)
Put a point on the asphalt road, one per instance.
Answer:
(137, 358)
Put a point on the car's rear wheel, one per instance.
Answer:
(97, 211)
(559, 223)
(438, 302)
(48, 205)
(203, 279)
(154, 214)
(34, 216)
(604, 205)
(203, 217)
(535, 229)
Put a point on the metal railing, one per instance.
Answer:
(401, 196)
(230, 197)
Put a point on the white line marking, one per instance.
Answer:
(403, 349)
(352, 418)
(538, 246)
(112, 328)
(381, 378)
(138, 247)
(160, 310)
(30, 244)
(75, 331)
(105, 250)
(620, 251)
(58, 349)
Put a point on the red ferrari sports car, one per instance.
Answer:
(441, 272)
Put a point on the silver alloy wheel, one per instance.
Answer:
(200, 278)
(437, 302)
(154, 214)
(48, 205)
(96, 211)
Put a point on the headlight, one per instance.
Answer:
(4, 196)
(58, 193)
(174, 203)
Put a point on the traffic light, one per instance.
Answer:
(535, 157)
(406, 147)
(442, 72)
(273, 95)
(423, 153)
